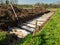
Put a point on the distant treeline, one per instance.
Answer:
(3, 2)
(41, 5)
(52, 5)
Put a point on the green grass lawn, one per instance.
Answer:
(50, 34)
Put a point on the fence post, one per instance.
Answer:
(35, 28)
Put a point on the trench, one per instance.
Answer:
(28, 27)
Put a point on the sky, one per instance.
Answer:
(36, 1)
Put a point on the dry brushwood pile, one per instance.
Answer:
(7, 17)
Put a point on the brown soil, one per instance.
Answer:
(6, 13)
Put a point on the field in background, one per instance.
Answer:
(24, 6)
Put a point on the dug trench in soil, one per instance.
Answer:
(8, 19)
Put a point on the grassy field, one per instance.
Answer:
(2, 37)
(50, 34)
(24, 6)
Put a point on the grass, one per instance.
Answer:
(24, 6)
(50, 34)
(2, 36)
(7, 38)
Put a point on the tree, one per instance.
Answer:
(8, 1)
(1, 2)
(13, 1)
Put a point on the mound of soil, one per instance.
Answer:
(7, 17)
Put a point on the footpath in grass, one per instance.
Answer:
(50, 34)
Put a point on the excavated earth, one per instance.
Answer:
(7, 16)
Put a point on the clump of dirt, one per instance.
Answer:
(7, 17)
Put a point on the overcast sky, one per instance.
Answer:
(36, 1)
